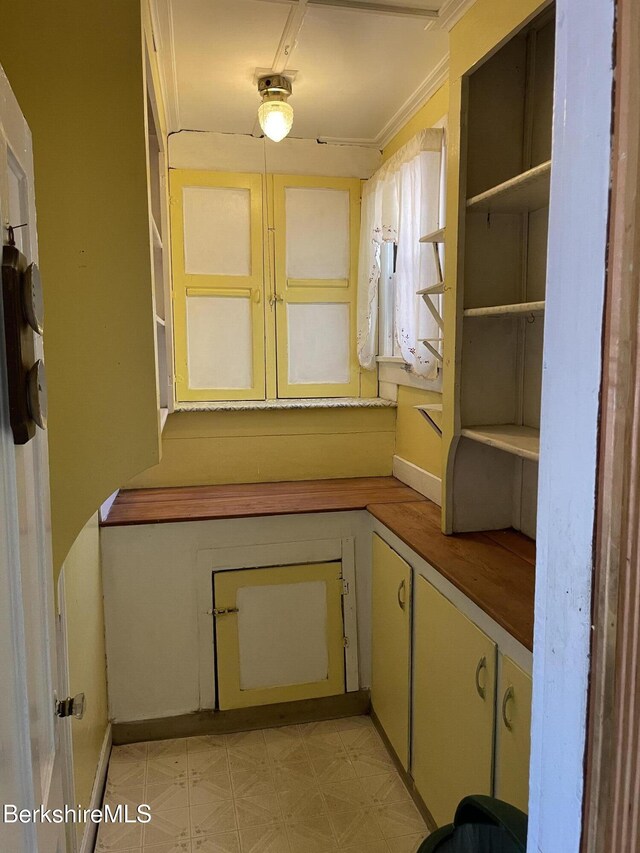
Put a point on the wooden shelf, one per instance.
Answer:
(164, 414)
(517, 309)
(428, 411)
(521, 441)
(434, 237)
(429, 343)
(157, 238)
(526, 192)
(160, 320)
(433, 290)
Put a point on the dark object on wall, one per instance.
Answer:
(481, 825)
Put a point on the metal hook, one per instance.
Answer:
(11, 229)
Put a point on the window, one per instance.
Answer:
(402, 203)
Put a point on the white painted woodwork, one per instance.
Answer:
(220, 341)
(578, 238)
(520, 440)
(158, 594)
(294, 654)
(428, 413)
(434, 237)
(318, 343)
(217, 231)
(526, 192)
(317, 233)
(506, 310)
(422, 481)
(30, 738)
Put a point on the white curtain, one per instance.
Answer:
(401, 203)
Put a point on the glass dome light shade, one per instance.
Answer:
(276, 119)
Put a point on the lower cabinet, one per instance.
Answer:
(279, 634)
(391, 645)
(453, 704)
(513, 734)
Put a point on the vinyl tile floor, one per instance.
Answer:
(327, 787)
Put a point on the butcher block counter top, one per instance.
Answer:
(496, 570)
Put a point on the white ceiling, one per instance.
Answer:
(359, 74)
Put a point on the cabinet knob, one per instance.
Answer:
(482, 664)
(508, 695)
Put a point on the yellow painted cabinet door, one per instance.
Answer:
(513, 735)
(217, 257)
(279, 634)
(391, 637)
(453, 705)
(317, 223)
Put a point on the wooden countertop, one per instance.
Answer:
(496, 570)
(204, 503)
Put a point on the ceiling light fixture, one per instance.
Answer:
(274, 113)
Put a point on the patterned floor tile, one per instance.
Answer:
(386, 789)
(247, 744)
(164, 748)
(207, 761)
(225, 842)
(355, 826)
(323, 744)
(312, 835)
(209, 788)
(363, 738)
(265, 839)
(293, 776)
(205, 742)
(213, 818)
(368, 847)
(174, 847)
(130, 752)
(241, 761)
(132, 797)
(166, 769)
(400, 819)
(167, 826)
(345, 796)
(320, 727)
(114, 837)
(371, 762)
(346, 723)
(301, 803)
(129, 774)
(260, 810)
(406, 843)
(167, 795)
(334, 768)
(249, 783)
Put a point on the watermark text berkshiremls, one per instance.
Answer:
(76, 814)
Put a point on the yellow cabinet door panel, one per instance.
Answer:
(279, 634)
(453, 705)
(391, 636)
(513, 735)
(218, 283)
(317, 230)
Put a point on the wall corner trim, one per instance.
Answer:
(91, 829)
(417, 478)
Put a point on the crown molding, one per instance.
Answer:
(405, 113)
(450, 13)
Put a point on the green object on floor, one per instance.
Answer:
(481, 825)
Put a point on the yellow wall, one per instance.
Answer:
(429, 113)
(76, 69)
(85, 637)
(249, 447)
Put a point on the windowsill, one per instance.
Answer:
(296, 403)
(392, 369)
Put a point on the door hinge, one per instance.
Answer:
(345, 587)
(72, 706)
(222, 611)
(345, 641)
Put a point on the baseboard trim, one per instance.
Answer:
(407, 778)
(90, 828)
(243, 719)
(422, 481)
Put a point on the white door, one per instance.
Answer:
(30, 752)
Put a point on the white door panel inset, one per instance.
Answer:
(219, 341)
(217, 231)
(317, 222)
(297, 653)
(318, 343)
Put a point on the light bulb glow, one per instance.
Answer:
(276, 119)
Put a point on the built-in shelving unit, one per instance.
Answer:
(492, 475)
(159, 229)
(432, 413)
(431, 295)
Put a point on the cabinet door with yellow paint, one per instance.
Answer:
(453, 705)
(391, 638)
(317, 222)
(279, 634)
(513, 735)
(217, 256)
